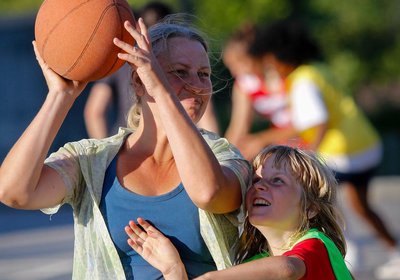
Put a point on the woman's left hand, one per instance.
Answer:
(142, 59)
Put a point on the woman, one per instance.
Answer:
(162, 165)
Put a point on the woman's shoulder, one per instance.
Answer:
(90, 144)
(214, 140)
(209, 134)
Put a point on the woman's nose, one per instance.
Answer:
(192, 88)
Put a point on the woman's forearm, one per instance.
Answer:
(204, 179)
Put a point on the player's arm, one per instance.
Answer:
(241, 117)
(274, 268)
(209, 120)
(95, 111)
(24, 180)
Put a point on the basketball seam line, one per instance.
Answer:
(55, 26)
(121, 33)
(90, 39)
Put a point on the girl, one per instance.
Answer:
(291, 218)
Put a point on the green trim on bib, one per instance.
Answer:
(256, 257)
(335, 257)
(337, 262)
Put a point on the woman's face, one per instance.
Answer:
(188, 70)
(274, 200)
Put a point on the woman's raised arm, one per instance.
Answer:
(24, 180)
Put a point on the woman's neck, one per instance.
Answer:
(148, 141)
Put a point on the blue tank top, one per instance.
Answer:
(173, 213)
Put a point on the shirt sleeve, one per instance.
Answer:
(230, 157)
(315, 256)
(308, 107)
(65, 162)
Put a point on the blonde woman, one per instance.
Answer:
(160, 166)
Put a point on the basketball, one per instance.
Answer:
(75, 37)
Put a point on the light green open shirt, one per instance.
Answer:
(82, 166)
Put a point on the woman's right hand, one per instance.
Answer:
(55, 82)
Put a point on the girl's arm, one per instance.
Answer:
(24, 180)
(274, 268)
(211, 187)
(156, 249)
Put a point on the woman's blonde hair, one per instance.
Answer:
(318, 197)
(172, 26)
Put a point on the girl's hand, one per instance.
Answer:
(55, 82)
(142, 59)
(155, 248)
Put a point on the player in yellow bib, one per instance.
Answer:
(284, 80)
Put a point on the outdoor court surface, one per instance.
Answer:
(36, 247)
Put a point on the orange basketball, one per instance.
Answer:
(74, 37)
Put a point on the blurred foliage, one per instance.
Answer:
(15, 7)
(360, 38)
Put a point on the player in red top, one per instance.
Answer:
(292, 228)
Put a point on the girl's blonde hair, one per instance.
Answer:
(318, 196)
(172, 26)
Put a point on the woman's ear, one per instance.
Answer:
(137, 84)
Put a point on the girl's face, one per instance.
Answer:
(188, 71)
(274, 200)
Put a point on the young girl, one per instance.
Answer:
(291, 219)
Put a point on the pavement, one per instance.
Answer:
(39, 247)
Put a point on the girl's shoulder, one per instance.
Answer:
(315, 256)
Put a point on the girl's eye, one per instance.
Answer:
(256, 180)
(277, 180)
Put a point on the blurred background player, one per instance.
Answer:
(279, 73)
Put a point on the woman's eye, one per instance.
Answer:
(180, 72)
(204, 74)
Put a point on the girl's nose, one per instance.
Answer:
(261, 186)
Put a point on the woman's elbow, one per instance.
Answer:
(13, 199)
(204, 199)
(218, 203)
